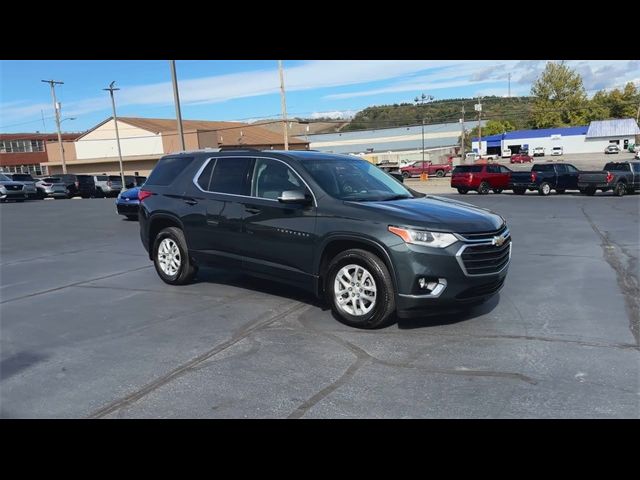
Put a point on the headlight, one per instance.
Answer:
(423, 237)
(2, 189)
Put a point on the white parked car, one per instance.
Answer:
(556, 151)
(538, 152)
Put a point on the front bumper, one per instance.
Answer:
(13, 195)
(127, 208)
(441, 266)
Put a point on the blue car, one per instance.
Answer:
(127, 203)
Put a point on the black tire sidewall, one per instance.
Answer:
(385, 301)
(483, 189)
(620, 189)
(462, 191)
(541, 189)
(182, 276)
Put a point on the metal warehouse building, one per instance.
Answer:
(593, 138)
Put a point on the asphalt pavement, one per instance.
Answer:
(88, 330)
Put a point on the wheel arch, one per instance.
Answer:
(157, 223)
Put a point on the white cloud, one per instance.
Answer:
(336, 114)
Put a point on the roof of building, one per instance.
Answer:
(38, 136)
(613, 128)
(251, 134)
(536, 133)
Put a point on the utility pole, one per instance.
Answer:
(420, 100)
(478, 108)
(284, 107)
(56, 108)
(176, 98)
(462, 159)
(115, 121)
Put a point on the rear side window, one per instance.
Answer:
(204, 179)
(617, 166)
(167, 170)
(468, 169)
(230, 176)
(542, 168)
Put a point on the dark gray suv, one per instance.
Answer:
(335, 225)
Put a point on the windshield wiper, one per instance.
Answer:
(396, 197)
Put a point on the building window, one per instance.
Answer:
(21, 146)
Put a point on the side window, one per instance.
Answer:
(561, 169)
(205, 176)
(504, 169)
(230, 176)
(571, 168)
(492, 169)
(636, 167)
(271, 178)
(167, 169)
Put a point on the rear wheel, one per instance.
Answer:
(544, 189)
(360, 290)
(519, 190)
(483, 189)
(620, 189)
(462, 191)
(439, 173)
(171, 257)
(406, 175)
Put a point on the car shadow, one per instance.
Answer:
(439, 317)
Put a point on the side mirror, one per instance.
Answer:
(295, 197)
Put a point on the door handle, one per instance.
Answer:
(252, 210)
(190, 201)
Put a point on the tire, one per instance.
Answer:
(382, 308)
(462, 191)
(439, 173)
(483, 189)
(100, 193)
(519, 190)
(590, 191)
(560, 190)
(620, 189)
(544, 189)
(406, 175)
(497, 190)
(186, 269)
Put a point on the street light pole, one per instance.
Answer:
(420, 100)
(115, 121)
(176, 98)
(56, 109)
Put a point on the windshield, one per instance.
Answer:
(354, 179)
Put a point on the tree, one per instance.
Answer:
(560, 99)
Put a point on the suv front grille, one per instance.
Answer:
(484, 259)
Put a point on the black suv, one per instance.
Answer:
(335, 225)
(78, 185)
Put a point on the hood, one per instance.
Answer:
(132, 193)
(435, 213)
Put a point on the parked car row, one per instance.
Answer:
(70, 185)
(618, 177)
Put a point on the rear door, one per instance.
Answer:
(492, 176)
(279, 237)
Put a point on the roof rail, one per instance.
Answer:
(244, 149)
(207, 149)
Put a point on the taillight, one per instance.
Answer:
(609, 177)
(142, 194)
(533, 177)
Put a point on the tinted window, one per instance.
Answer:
(571, 168)
(493, 169)
(102, 178)
(561, 168)
(542, 168)
(617, 166)
(271, 178)
(504, 169)
(468, 169)
(230, 176)
(85, 179)
(167, 169)
(17, 177)
(205, 176)
(636, 167)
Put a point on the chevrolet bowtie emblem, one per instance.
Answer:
(497, 241)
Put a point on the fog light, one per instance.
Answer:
(432, 286)
(422, 282)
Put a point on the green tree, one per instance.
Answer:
(560, 99)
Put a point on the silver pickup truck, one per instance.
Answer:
(108, 185)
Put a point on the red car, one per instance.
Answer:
(480, 178)
(521, 158)
(417, 168)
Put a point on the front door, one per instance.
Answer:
(279, 237)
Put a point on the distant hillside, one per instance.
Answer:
(514, 109)
(300, 129)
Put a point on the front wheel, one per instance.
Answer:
(439, 173)
(360, 290)
(171, 257)
(544, 189)
(483, 189)
(406, 175)
(620, 189)
(462, 191)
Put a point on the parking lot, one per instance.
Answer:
(89, 330)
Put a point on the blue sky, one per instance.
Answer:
(247, 90)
